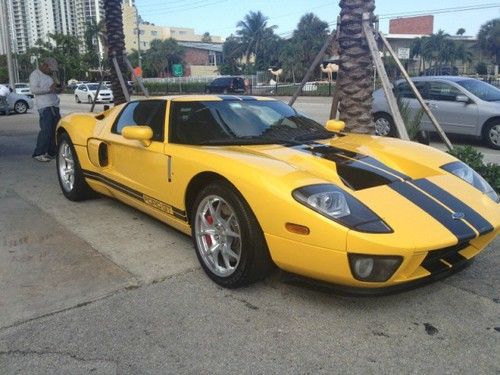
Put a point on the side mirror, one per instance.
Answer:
(335, 126)
(139, 133)
(463, 99)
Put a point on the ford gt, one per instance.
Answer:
(257, 185)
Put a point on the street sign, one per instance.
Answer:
(177, 70)
(403, 53)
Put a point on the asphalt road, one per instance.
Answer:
(100, 288)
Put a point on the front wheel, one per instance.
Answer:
(229, 243)
(69, 172)
(21, 107)
(491, 134)
(384, 125)
(89, 99)
(77, 99)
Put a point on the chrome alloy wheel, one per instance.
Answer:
(382, 126)
(218, 235)
(20, 107)
(66, 167)
(494, 135)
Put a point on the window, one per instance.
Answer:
(193, 123)
(403, 90)
(443, 91)
(154, 33)
(148, 112)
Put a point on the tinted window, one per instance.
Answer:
(443, 91)
(481, 89)
(93, 87)
(81, 87)
(147, 112)
(221, 82)
(403, 90)
(193, 123)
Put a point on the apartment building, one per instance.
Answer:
(32, 20)
(149, 31)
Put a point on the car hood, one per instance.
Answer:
(358, 161)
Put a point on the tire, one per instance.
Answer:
(21, 107)
(384, 125)
(69, 172)
(77, 99)
(224, 225)
(89, 99)
(491, 134)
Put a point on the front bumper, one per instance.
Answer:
(332, 266)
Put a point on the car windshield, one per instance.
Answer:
(93, 87)
(243, 122)
(482, 90)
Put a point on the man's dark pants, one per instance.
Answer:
(46, 141)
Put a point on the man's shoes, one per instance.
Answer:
(51, 157)
(43, 158)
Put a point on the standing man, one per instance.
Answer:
(4, 105)
(45, 90)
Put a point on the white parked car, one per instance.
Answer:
(18, 103)
(86, 93)
(23, 89)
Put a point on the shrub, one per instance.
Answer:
(489, 171)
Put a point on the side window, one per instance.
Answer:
(443, 91)
(403, 90)
(193, 123)
(147, 112)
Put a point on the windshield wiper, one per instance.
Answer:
(315, 135)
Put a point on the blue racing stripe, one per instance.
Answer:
(458, 227)
(475, 219)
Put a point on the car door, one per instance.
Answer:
(136, 169)
(454, 116)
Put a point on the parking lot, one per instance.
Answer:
(98, 287)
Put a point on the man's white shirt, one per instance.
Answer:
(40, 87)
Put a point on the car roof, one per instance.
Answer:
(210, 98)
(439, 78)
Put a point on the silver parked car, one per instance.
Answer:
(461, 105)
(18, 103)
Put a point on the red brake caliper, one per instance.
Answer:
(208, 238)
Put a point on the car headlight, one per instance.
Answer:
(466, 173)
(373, 268)
(338, 205)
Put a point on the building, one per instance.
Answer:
(421, 25)
(149, 31)
(202, 59)
(30, 21)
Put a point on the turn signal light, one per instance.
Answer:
(297, 229)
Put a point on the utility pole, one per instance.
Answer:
(6, 37)
(138, 22)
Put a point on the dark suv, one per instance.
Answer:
(226, 85)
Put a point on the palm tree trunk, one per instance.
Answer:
(116, 44)
(356, 78)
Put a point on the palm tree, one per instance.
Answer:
(116, 44)
(253, 31)
(489, 39)
(356, 67)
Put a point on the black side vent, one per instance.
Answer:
(103, 154)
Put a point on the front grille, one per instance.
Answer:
(433, 262)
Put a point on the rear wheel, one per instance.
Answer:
(491, 134)
(69, 172)
(229, 243)
(384, 125)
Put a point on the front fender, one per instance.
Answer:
(79, 126)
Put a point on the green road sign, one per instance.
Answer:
(177, 70)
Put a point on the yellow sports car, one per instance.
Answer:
(257, 184)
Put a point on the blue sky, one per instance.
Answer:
(219, 17)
